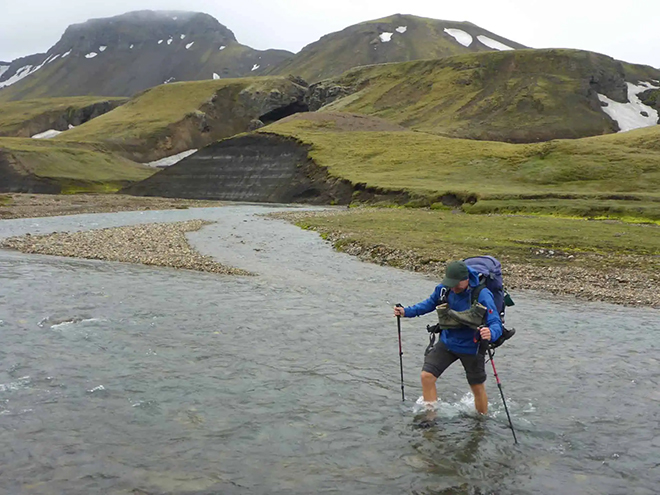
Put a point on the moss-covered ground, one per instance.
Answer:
(615, 176)
(78, 167)
(444, 235)
(513, 96)
(149, 114)
(15, 114)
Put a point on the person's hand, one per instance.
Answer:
(399, 311)
(485, 333)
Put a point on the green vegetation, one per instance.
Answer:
(615, 175)
(16, 116)
(77, 167)
(148, 115)
(514, 96)
(359, 45)
(441, 236)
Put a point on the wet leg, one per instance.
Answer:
(428, 387)
(480, 398)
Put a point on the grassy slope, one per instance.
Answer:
(441, 236)
(150, 113)
(430, 166)
(78, 167)
(14, 115)
(359, 45)
(518, 96)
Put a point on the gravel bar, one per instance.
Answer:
(159, 244)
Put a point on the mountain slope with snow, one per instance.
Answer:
(398, 38)
(123, 55)
(514, 96)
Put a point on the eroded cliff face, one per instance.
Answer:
(15, 177)
(62, 120)
(258, 167)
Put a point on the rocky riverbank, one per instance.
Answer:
(150, 244)
(628, 284)
(47, 205)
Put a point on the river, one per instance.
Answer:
(120, 378)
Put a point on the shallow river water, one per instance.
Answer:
(118, 378)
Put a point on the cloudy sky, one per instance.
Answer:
(624, 30)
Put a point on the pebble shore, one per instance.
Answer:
(150, 244)
(625, 286)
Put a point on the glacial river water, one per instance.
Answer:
(125, 379)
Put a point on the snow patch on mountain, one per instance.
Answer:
(255, 67)
(102, 48)
(183, 36)
(160, 41)
(494, 44)
(459, 35)
(54, 58)
(385, 37)
(222, 47)
(67, 54)
(402, 29)
(169, 42)
(21, 73)
(3, 69)
(634, 114)
(91, 55)
(170, 160)
(189, 45)
(49, 134)
(216, 76)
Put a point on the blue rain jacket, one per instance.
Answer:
(461, 340)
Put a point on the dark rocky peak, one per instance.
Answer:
(145, 26)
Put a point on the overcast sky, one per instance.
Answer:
(626, 30)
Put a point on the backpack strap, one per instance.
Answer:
(477, 290)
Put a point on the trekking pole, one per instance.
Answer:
(499, 384)
(398, 323)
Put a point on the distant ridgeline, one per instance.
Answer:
(122, 55)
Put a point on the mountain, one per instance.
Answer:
(398, 38)
(514, 96)
(122, 55)
(173, 118)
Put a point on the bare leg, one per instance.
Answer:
(428, 387)
(480, 398)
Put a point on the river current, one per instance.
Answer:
(121, 379)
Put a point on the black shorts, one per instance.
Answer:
(439, 359)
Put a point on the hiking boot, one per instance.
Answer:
(444, 318)
(473, 317)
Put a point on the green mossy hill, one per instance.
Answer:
(30, 165)
(361, 44)
(172, 118)
(513, 96)
(29, 117)
(624, 168)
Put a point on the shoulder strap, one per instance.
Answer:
(477, 290)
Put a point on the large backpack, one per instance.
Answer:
(490, 277)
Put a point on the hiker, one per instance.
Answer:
(453, 299)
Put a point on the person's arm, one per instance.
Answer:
(425, 306)
(493, 321)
